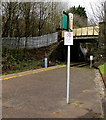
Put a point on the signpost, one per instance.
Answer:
(68, 40)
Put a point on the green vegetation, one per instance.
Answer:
(15, 60)
(103, 68)
(80, 16)
(28, 19)
(78, 10)
(21, 67)
(18, 60)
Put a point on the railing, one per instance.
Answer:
(45, 40)
(32, 42)
(85, 31)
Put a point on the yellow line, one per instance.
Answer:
(45, 69)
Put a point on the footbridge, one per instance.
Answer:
(88, 35)
(85, 34)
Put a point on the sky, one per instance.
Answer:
(84, 3)
(88, 4)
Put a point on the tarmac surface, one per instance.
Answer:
(43, 95)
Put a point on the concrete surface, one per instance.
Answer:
(43, 95)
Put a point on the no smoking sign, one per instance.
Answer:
(68, 38)
(68, 34)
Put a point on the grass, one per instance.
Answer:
(103, 68)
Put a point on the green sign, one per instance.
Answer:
(65, 21)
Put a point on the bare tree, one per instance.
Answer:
(10, 9)
(98, 12)
(24, 19)
(100, 17)
(54, 19)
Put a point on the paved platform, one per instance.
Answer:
(43, 95)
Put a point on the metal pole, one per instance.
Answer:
(68, 60)
(90, 63)
(46, 61)
(91, 58)
(68, 75)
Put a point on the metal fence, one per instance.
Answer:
(32, 42)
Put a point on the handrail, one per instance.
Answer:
(85, 31)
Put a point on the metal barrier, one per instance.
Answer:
(32, 42)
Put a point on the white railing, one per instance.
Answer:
(32, 42)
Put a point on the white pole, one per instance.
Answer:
(68, 75)
(68, 60)
(91, 58)
(46, 62)
(90, 63)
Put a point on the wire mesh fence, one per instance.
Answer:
(30, 42)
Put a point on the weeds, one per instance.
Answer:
(19, 60)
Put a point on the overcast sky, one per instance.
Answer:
(87, 4)
(84, 3)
